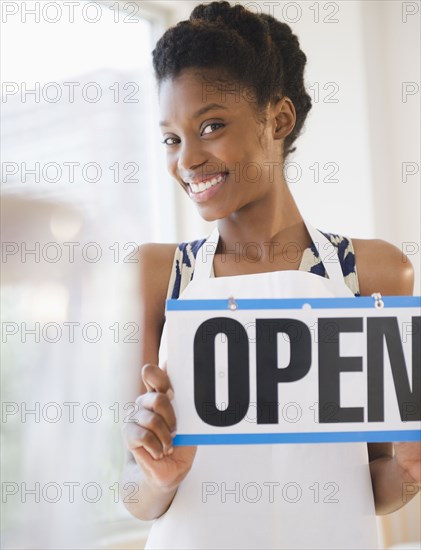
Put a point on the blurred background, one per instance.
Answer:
(84, 183)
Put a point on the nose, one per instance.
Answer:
(191, 155)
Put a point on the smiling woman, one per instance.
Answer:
(194, 184)
(233, 102)
(219, 141)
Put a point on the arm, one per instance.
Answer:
(143, 500)
(153, 467)
(394, 468)
(393, 485)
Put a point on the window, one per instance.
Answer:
(83, 183)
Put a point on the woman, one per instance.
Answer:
(232, 103)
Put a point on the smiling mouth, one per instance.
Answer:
(204, 185)
(209, 188)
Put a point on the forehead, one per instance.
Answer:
(193, 89)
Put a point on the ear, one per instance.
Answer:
(284, 118)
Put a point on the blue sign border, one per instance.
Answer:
(293, 303)
(380, 436)
(363, 302)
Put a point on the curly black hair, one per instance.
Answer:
(255, 50)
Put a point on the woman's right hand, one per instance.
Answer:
(150, 430)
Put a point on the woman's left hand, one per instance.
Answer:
(408, 457)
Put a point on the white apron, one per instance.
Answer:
(282, 496)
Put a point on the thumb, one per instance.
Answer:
(170, 391)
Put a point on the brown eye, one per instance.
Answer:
(165, 141)
(218, 124)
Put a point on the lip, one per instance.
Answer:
(207, 193)
(204, 180)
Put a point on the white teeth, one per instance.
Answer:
(202, 186)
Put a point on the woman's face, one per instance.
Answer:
(213, 139)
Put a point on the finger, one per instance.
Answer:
(154, 423)
(144, 459)
(160, 404)
(136, 436)
(155, 379)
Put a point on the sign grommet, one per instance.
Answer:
(378, 303)
(232, 304)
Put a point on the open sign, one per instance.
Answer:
(330, 371)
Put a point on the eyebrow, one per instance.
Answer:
(201, 111)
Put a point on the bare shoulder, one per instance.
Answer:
(156, 255)
(155, 262)
(382, 267)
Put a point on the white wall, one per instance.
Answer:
(369, 133)
(392, 49)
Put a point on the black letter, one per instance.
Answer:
(268, 373)
(377, 327)
(331, 364)
(204, 371)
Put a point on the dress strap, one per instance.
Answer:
(327, 252)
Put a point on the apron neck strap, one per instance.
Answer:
(326, 250)
(204, 256)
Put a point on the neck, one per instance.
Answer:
(270, 222)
